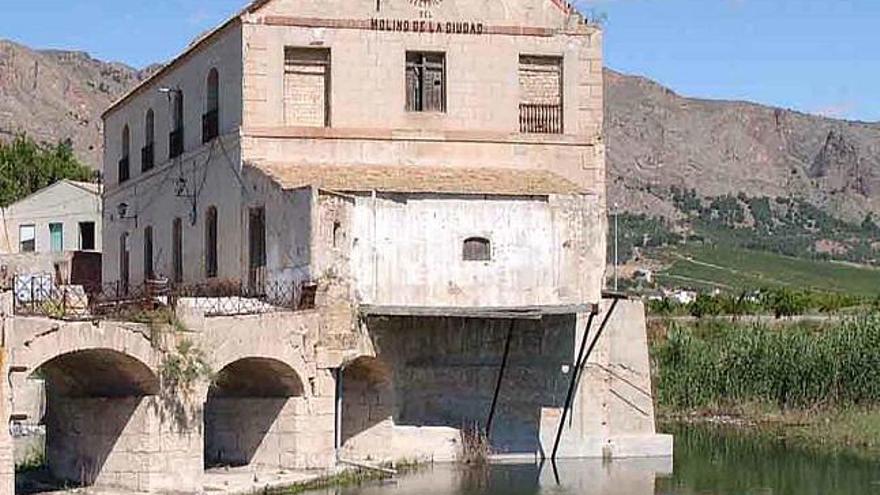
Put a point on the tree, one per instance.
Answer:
(27, 166)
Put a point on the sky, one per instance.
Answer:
(816, 56)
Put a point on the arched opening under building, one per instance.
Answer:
(97, 416)
(252, 416)
(367, 409)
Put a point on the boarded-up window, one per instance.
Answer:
(540, 87)
(307, 87)
(177, 249)
(149, 273)
(425, 82)
(27, 238)
(211, 243)
(477, 249)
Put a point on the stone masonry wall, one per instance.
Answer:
(277, 433)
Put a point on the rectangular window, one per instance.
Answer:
(307, 87)
(56, 237)
(124, 259)
(540, 88)
(87, 236)
(27, 238)
(425, 82)
(211, 243)
(177, 250)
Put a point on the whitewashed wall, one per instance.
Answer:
(408, 251)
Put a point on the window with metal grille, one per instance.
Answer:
(540, 87)
(477, 249)
(307, 87)
(425, 82)
(211, 243)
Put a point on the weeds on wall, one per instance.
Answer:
(184, 367)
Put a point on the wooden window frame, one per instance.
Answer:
(422, 65)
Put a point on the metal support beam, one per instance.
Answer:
(500, 379)
(580, 363)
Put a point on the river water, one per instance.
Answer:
(707, 462)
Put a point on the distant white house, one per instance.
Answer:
(63, 217)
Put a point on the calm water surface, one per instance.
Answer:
(707, 463)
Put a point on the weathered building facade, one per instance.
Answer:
(429, 177)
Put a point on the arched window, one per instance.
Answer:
(211, 118)
(175, 139)
(124, 172)
(211, 243)
(124, 256)
(149, 273)
(148, 155)
(177, 249)
(477, 249)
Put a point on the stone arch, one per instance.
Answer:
(250, 414)
(367, 407)
(97, 407)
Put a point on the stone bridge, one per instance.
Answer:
(149, 407)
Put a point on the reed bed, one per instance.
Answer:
(793, 367)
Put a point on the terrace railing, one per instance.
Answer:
(38, 295)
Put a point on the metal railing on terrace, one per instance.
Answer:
(38, 295)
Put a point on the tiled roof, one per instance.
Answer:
(417, 179)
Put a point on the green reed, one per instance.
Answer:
(793, 367)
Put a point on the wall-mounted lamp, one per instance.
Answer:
(122, 212)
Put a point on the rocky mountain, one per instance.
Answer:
(55, 95)
(657, 140)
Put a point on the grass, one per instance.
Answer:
(815, 386)
(704, 267)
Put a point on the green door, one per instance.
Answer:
(56, 237)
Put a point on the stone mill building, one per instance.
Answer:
(379, 223)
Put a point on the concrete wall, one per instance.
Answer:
(408, 250)
(65, 203)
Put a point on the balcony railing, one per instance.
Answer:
(537, 118)
(210, 126)
(148, 157)
(175, 143)
(124, 172)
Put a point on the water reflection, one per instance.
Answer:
(707, 462)
(629, 477)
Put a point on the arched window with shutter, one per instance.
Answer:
(124, 171)
(148, 155)
(477, 249)
(211, 118)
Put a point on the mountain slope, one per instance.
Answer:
(658, 139)
(55, 95)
